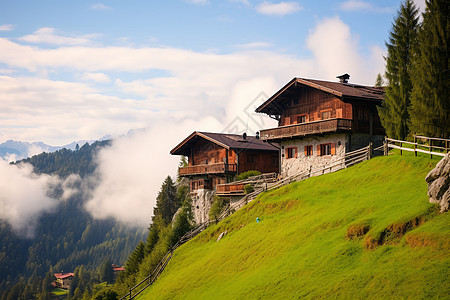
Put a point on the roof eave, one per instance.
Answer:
(191, 136)
(295, 80)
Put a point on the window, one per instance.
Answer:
(326, 149)
(301, 119)
(326, 115)
(308, 150)
(291, 152)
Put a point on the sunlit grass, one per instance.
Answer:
(300, 249)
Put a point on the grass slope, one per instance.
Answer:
(364, 232)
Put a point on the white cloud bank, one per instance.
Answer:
(46, 35)
(23, 196)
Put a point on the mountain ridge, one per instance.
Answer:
(16, 150)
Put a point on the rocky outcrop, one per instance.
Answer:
(201, 204)
(438, 183)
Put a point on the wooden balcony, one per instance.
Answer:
(230, 189)
(220, 168)
(303, 129)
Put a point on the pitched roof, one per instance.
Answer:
(63, 275)
(345, 91)
(225, 140)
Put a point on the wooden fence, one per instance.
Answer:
(428, 147)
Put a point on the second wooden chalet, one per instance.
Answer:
(319, 121)
(215, 158)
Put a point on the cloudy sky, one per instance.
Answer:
(72, 70)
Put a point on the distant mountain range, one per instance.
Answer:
(16, 150)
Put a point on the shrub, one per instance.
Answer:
(248, 174)
(248, 188)
(217, 207)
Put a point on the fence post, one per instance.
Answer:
(415, 146)
(386, 147)
(401, 145)
(429, 144)
(369, 153)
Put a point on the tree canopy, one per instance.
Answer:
(394, 112)
(430, 103)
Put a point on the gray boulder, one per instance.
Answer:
(438, 183)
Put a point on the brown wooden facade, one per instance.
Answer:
(216, 158)
(304, 107)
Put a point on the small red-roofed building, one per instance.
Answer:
(117, 270)
(63, 280)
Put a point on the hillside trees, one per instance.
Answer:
(417, 70)
(171, 220)
(430, 103)
(394, 113)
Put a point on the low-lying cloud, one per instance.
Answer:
(23, 196)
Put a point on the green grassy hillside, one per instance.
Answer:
(364, 232)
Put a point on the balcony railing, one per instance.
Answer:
(303, 129)
(224, 189)
(220, 168)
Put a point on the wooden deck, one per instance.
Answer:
(317, 127)
(220, 168)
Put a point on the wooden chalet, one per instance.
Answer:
(319, 121)
(215, 158)
(64, 280)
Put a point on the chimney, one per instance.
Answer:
(244, 136)
(343, 78)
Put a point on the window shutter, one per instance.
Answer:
(306, 150)
(286, 152)
(333, 149)
(295, 149)
(318, 150)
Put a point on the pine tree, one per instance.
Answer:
(132, 264)
(152, 239)
(379, 82)
(166, 201)
(107, 272)
(430, 103)
(394, 112)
